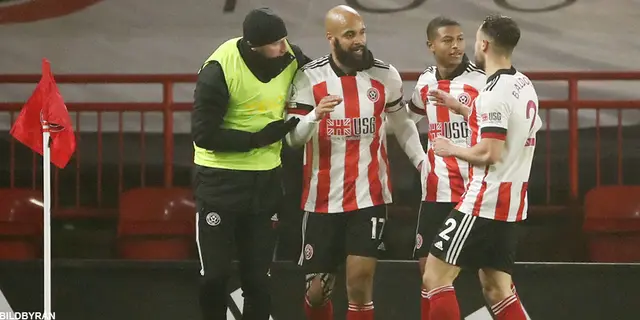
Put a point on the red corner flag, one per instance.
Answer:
(45, 106)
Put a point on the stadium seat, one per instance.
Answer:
(156, 224)
(20, 224)
(612, 224)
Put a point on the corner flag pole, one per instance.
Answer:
(46, 168)
(45, 110)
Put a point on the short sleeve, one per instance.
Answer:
(394, 93)
(418, 99)
(493, 115)
(301, 100)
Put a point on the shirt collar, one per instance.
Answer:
(457, 71)
(510, 71)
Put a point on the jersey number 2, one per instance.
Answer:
(451, 224)
(532, 106)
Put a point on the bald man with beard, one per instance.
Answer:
(344, 101)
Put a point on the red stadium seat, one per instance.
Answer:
(20, 224)
(156, 224)
(612, 223)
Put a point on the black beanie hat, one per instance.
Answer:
(262, 26)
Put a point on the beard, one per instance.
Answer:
(479, 62)
(350, 59)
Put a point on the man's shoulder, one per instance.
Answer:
(473, 69)
(499, 89)
(427, 76)
(382, 71)
(379, 64)
(473, 76)
(316, 64)
(314, 71)
(229, 44)
(300, 57)
(496, 85)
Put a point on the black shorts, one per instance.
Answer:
(430, 218)
(328, 238)
(473, 242)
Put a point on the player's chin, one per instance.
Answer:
(357, 56)
(454, 60)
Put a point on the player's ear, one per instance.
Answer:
(431, 46)
(329, 37)
(485, 45)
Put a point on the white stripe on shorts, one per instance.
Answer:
(459, 238)
(305, 219)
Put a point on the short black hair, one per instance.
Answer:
(503, 30)
(438, 22)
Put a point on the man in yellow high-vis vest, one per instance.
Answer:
(237, 128)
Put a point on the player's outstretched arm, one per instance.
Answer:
(493, 118)
(303, 131)
(407, 135)
(444, 99)
(402, 125)
(487, 152)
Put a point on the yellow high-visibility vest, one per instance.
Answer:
(252, 105)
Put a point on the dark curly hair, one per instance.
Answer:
(503, 30)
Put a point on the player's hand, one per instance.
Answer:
(273, 132)
(444, 99)
(442, 147)
(326, 106)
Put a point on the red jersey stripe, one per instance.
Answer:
(473, 127)
(523, 197)
(456, 183)
(352, 152)
(504, 201)
(494, 135)
(373, 171)
(297, 111)
(471, 91)
(386, 161)
(432, 177)
(324, 154)
(424, 94)
(478, 204)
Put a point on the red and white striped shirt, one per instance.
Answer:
(345, 160)
(447, 177)
(506, 109)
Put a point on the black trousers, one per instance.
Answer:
(235, 210)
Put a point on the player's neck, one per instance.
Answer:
(445, 71)
(493, 64)
(342, 67)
